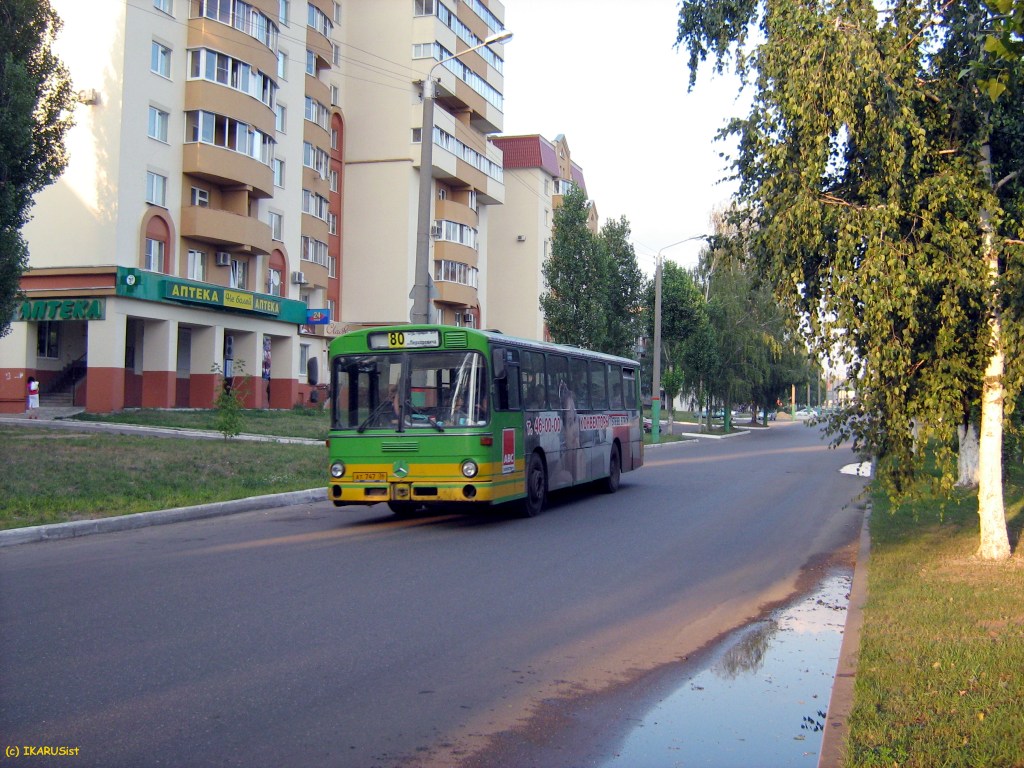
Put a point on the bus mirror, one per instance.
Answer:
(498, 363)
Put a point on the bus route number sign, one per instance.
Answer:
(405, 340)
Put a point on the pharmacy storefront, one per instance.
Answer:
(114, 338)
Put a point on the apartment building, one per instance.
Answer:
(388, 48)
(198, 223)
(538, 174)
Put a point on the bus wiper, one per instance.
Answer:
(429, 419)
(381, 407)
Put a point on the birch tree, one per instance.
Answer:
(866, 169)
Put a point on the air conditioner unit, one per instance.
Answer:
(520, 238)
(223, 259)
(299, 278)
(435, 231)
(88, 96)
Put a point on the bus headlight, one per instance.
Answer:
(337, 469)
(469, 468)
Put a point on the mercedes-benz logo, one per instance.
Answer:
(400, 468)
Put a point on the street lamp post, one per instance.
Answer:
(420, 312)
(656, 383)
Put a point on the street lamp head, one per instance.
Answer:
(500, 37)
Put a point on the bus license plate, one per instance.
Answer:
(370, 477)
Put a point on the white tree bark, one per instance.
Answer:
(995, 542)
(967, 456)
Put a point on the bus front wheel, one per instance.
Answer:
(536, 487)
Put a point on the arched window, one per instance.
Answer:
(277, 268)
(156, 245)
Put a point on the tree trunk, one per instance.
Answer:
(967, 456)
(995, 543)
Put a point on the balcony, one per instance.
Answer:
(227, 168)
(226, 230)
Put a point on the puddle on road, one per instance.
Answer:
(760, 698)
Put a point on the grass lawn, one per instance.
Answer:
(940, 680)
(311, 423)
(53, 476)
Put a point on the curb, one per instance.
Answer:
(834, 739)
(74, 529)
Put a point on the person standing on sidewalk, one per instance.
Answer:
(33, 398)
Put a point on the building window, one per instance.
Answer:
(332, 177)
(216, 67)
(48, 340)
(314, 250)
(282, 65)
(318, 113)
(455, 272)
(154, 255)
(280, 118)
(239, 274)
(318, 20)
(158, 120)
(156, 189)
(332, 223)
(276, 225)
(278, 166)
(200, 197)
(423, 7)
(310, 63)
(282, 13)
(274, 282)
(160, 60)
(165, 6)
(303, 359)
(221, 131)
(197, 266)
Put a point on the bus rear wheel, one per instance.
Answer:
(611, 483)
(536, 487)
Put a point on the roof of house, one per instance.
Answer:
(532, 151)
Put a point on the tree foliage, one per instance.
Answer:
(868, 205)
(35, 107)
(624, 288)
(594, 285)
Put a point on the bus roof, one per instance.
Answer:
(356, 341)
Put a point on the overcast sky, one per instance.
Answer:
(606, 75)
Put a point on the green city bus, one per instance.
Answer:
(441, 416)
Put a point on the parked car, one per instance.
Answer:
(805, 413)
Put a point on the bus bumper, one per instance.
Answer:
(423, 492)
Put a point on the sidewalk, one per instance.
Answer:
(57, 418)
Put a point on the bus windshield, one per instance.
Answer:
(409, 390)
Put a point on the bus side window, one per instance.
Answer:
(534, 397)
(629, 388)
(598, 386)
(559, 386)
(506, 386)
(615, 386)
(580, 388)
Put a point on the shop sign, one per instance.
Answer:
(62, 309)
(221, 297)
(318, 316)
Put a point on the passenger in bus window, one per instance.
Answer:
(396, 404)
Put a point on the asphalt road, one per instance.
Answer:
(317, 636)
